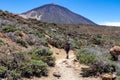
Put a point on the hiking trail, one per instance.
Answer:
(69, 69)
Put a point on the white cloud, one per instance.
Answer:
(111, 23)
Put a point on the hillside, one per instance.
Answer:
(24, 44)
(53, 13)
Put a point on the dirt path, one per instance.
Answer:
(66, 70)
(69, 69)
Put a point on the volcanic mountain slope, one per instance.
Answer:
(53, 13)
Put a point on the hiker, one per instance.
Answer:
(67, 49)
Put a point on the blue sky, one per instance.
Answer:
(99, 11)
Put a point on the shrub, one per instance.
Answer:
(42, 41)
(56, 42)
(31, 39)
(44, 55)
(31, 31)
(77, 44)
(35, 32)
(118, 78)
(8, 29)
(26, 70)
(13, 75)
(39, 34)
(86, 58)
(19, 33)
(20, 64)
(102, 67)
(1, 43)
(42, 52)
(98, 67)
(19, 59)
(49, 60)
(97, 40)
(118, 72)
(39, 68)
(2, 59)
(98, 62)
(22, 42)
(34, 68)
(2, 71)
(86, 72)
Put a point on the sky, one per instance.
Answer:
(104, 12)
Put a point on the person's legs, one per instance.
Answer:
(67, 56)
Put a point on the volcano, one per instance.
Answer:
(53, 13)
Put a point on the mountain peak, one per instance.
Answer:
(53, 13)
(53, 3)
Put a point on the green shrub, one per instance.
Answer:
(118, 72)
(19, 33)
(35, 32)
(44, 55)
(86, 58)
(97, 40)
(2, 71)
(101, 67)
(19, 59)
(8, 29)
(34, 68)
(31, 31)
(39, 68)
(14, 63)
(13, 75)
(56, 43)
(3, 60)
(20, 64)
(98, 67)
(86, 72)
(22, 42)
(77, 44)
(39, 34)
(41, 52)
(118, 78)
(48, 59)
(43, 41)
(98, 62)
(25, 69)
(1, 43)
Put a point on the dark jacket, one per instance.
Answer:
(67, 47)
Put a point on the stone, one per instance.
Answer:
(57, 74)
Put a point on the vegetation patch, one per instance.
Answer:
(57, 43)
(8, 29)
(3, 71)
(34, 68)
(97, 40)
(22, 42)
(96, 61)
(1, 43)
(18, 65)
(44, 55)
(86, 58)
(19, 33)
